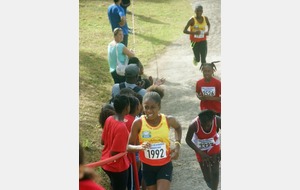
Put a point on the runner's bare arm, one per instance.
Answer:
(188, 139)
(133, 145)
(218, 123)
(176, 125)
(208, 26)
(189, 23)
(178, 133)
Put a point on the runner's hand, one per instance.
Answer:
(145, 145)
(174, 154)
(199, 96)
(206, 159)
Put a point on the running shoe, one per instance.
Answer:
(195, 62)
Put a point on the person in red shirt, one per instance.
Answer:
(203, 137)
(106, 111)
(86, 175)
(208, 89)
(133, 157)
(115, 137)
(134, 112)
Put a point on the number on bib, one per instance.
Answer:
(206, 144)
(157, 151)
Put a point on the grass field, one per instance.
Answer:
(156, 23)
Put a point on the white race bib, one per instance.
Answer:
(201, 35)
(208, 91)
(206, 144)
(156, 151)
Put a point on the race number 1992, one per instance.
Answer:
(157, 151)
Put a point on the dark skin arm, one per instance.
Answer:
(178, 133)
(190, 23)
(208, 26)
(188, 139)
(133, 138)
(218, 123)
(218, 129)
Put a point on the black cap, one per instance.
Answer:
(132, 70)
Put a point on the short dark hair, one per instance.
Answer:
(106, 111)
(134, 102)
(206, 115)
(135, 60)
(197, 7)
(120, 103)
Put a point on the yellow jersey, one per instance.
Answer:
(159, 152)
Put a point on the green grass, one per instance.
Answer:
(157, 23)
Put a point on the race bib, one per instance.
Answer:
(206, 144)
(157, 151)
(208, 91)
(201, 35)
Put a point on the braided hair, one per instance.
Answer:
(212, 65)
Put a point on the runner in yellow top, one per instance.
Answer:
(151, 132)
(198, 28)
(158, 136)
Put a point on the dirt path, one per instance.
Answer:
(180, 101)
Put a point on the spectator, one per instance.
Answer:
(117, 50)
(144, 81)
(115, 138)
(117, 19)
(131, 76)
(86, 175)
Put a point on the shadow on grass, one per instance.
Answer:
(147, 19)
(155, 1)
(93, 67)
(95, 81)
(154, 40)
